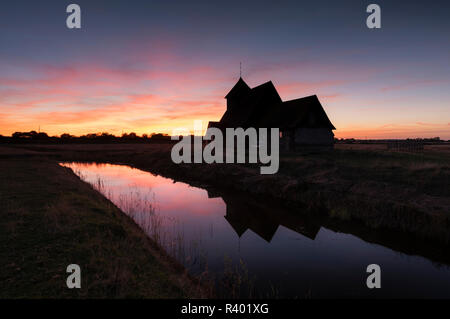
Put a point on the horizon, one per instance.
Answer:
(151, 134)
(154, 67)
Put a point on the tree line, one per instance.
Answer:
(103, 137)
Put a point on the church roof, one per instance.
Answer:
(302, 112)
(254, 103)
(238, 89)
(262, 106)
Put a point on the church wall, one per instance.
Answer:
(313, 136)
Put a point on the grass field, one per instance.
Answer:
(50, 219)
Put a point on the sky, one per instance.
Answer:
(154, 66)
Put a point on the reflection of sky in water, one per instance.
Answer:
(333, 264)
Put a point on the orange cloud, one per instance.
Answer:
(160, 92)
(82, 98)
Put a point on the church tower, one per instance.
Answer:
(239, 90)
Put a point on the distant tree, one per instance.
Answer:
(103, 137)
(66, 136)
(130, 136)
(159, 136)
(42, 135)
(24, 134)
(106, 134)
(91, 136)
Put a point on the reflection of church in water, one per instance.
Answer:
(263, 219)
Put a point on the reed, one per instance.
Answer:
(168, 233)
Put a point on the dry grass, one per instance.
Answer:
(50, 219)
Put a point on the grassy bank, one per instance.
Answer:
(404, 192)
(50, 219)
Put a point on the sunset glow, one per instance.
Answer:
(156, 68)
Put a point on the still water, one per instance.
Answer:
(277, 253)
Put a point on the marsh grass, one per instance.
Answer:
(236, 281)
(50, 219)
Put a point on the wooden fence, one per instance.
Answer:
(405, 146)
